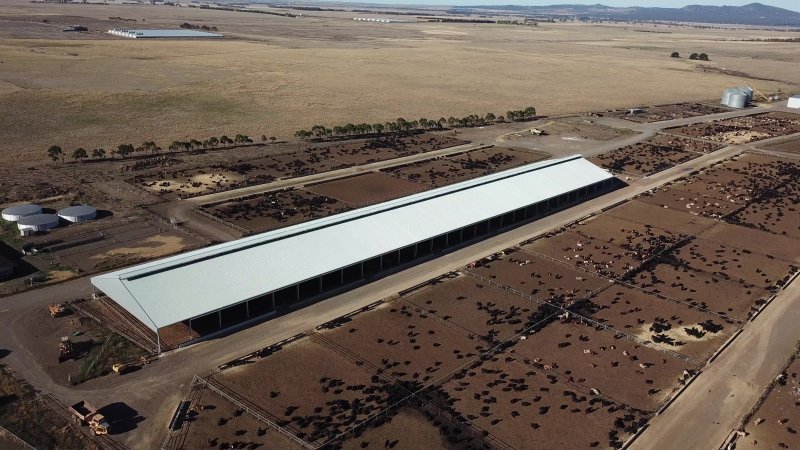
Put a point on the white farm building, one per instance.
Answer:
(793, 102)
(201, 292)
(163, 34)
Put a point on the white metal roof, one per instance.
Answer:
(180, 33)
(181, 287)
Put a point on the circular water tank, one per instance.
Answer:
(738, 100)
(726, 96)
(14, 213)
(38, 222)
(78, 214)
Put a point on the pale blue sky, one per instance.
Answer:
(793, 5)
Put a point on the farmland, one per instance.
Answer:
(654, 155)
(505, 350)
(743, 130)
(188, 182)
(659, 113)
(452, 169)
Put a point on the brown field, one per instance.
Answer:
(728, 298)
(775, 212)
(276, 209)
(273, 75)
(640, 240)
(406, 343)
(541, 278)
(309, 390)
(776, 422)
(654, 155)
(734, 263)
(790, 146)
(743, 130)
(661, 321)
(599, 359)
(366, 189)
(486, 311)
(408, 429)
(224, 175)
(665, 218)
(778, 246)
(666, 112)
(221, 422)
(587, 253)
(452, 169)
(528, 408)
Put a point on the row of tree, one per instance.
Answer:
(56, 153)
(402, 125)
(317, 132)
(693, 56)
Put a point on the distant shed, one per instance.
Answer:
(794, 102)
(164, 34)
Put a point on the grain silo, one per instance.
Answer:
(738, 100)
(14, 213)
(726, 96)
(78, 214)
(737, 97)
(37, 223)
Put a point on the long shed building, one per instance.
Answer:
(227, 284)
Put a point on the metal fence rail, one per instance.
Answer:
(251, 409)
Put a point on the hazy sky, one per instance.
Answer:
(788, 4)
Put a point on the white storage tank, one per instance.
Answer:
(726, 96)
(14, 213)
(749, 91)
(37, 223)
(794, 102)
(738, 100)
(78, 214)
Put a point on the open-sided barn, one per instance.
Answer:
(227, 284)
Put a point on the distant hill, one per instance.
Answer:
(752, 14)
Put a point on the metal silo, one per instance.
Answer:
(738, 100)
(749, 91)
(726, 96)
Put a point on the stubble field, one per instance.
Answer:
(273, 75)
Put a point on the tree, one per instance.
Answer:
(124, 150)
(55, 153)
(79, 154)
(490, 117)
(675, 55)
(694, 56)
(98, 153)
(273, 138)
(703, 57)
